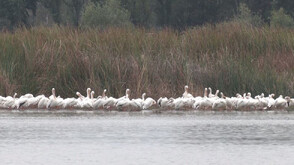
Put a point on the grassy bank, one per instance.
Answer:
(230, 57)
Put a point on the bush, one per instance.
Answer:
(247, 17)
(109, 14)
(281, 19)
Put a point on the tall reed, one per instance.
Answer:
(228, 56)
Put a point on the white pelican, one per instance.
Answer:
(109, 103)
(220, 103)
(210, 92)
(242, 103)
(100, 101)
(205, 92)
(270, 101)
(280, 103)
(147, 103)
(290, 102)
(54, 102)
(252, 104)
(205, 102)
(85, 102)
(210, 95)
(88, 93)
(31, 102)
(42, 104)
(69, 103)
(178, 103)
(28, 95)
(9, 101)
(124, 103)
(163, 103)
(186, 94)
(140, 101)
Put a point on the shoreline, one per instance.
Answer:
(152, 111)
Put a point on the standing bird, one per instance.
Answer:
(54, 102)
(290, 102)
(186, 94)
(220, 104)
(100, 101)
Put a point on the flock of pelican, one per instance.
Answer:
(210, 101)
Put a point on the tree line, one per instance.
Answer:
(143, 13)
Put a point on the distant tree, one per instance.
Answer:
(163, 11)
(247, 17)
(75, 7)
(182, 13)
(281, 19)
(109, 14)
(54, 6)
(287, 5)
(142, 11)
(16, 12)
(262, 8)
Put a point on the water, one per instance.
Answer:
(87, 137)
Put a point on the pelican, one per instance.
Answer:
(54, 102)
(100, 101)
(109, 103)
(205, 102)
(147, 103)
(280, 103)
(88, 93)
(252, 104)
(210, 92)
(205, 92)
(124, 103)
(69, 103)
(32, 102)
(103, 94)
(120, 103)
(163, 102)
(178, 103)
(86, 102)
(290, 102)
(42, 104)
(10, 101)
(271, 101)
(140, 101)
(15, 102)
(242, 103)
(186, 94)
(220, 104)
(210, 95)
(28, 95)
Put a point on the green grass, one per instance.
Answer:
(229, 56)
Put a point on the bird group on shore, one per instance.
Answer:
(209, 101)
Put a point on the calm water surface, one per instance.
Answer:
(87, 137)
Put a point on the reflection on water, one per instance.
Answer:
(97, 137)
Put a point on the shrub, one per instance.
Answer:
(247, 17)
(109, 14)
(280, 19)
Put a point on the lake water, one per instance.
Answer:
(87, 137)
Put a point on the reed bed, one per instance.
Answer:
(230, 57)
